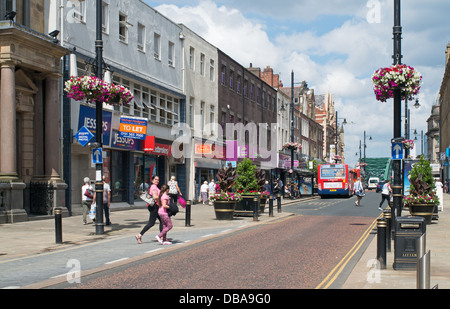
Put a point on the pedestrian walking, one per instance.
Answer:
(211, 190)
(174, 190)
(204, 192)
(87, 195)
(358, 190)
(386, 192)
(163, 202)
(106, 199)
(153, 209)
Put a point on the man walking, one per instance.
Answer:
(385, 194)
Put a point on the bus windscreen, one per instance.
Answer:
(334, 172)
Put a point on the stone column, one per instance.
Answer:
(52, 128)
(10, 186)
(8, 161)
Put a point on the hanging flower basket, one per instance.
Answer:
(386, 80)
(91, 88)
(408, 144)
(295, 146)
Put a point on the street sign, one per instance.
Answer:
(397, 151)
(84, 136)
(97, 156)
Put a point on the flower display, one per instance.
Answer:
(249, 192)
(91, 88)
(404, 77)
(421, 199)
(265, 194)
(291, 145)
(408, 144)
(226, 196)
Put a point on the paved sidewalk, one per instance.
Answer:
(364, 276)
(38, 236)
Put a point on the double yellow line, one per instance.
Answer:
(336, 271)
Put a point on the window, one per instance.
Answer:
(105, 18)
(171, 54)
(232, 80)
(211, 70)
(123, 28)
(6, 6)
(141, 38)
(192, 58)
(211, 119)
(157, 46)
(238, 86)
(223, 73)
(191, 111)
(80, 14)
(202, 116)
(202, 64)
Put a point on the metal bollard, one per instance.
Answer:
(58, 225)
(255, 209)
(423, 272)
(381, 242)
(279, 202)
(271, 206)
(188, 214)
(387, 215)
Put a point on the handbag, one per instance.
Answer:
(182, 202)
(173, 210)
(147, 198)
(92, 211)
(89, 193)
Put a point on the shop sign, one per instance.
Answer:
(161, 150)
(87, 118)
(203, 149)
(149, 144)
(124, 142)
(132, 127)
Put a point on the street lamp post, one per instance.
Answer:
(292, 133)
(99, 225)
(397, 184)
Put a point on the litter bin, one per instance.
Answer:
(407, 231)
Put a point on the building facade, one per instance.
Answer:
(143, 51)
(30, 127)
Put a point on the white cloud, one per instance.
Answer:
(339, 58)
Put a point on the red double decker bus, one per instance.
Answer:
(335, 179)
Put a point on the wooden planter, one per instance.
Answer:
(245, 206)
(422, 210)
(224, 209)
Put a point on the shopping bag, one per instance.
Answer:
(182, 202)
(92, 211)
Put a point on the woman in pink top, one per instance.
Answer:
(154, 191)
(163, 202)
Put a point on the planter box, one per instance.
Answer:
(422, 210)
(224, 209)
(245, 207)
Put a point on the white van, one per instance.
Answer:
(373, 182)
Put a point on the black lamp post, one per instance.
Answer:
(99, 224)
(397, 185)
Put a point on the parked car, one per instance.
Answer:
(373, 182)
(380, 186)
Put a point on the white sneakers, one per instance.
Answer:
(162, 242)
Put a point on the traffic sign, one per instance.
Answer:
(97, 156)
(84, 136)
(397, 151)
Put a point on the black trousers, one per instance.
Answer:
(152, 220)
(385, 197)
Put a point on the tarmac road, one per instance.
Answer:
(297, 252)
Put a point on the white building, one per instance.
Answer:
(144, 52)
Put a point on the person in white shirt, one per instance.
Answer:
(385, 194)
(87, 193)
(358, 189)
(204, 192)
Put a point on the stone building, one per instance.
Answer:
(30, 127)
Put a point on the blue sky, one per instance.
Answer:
(335, 46)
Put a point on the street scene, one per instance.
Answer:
(224, 145)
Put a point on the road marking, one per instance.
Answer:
(335, 272)
(154, 250)
(226, 231)
(12, 287)
(116, 261)
(207, 235)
